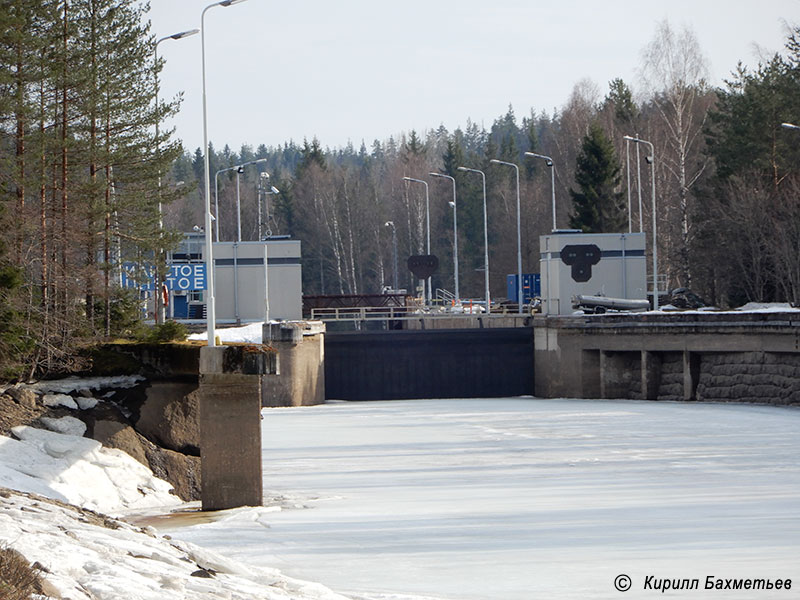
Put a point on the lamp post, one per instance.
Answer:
(211, 303)
(628, 162)
(549, 162)
(394, 251)
(239, 170)
(652, 160)
(519, 234)
(485, 238)
(428, 227)
(262, 188)
(160, 308)
(455, 233)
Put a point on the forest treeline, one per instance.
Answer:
(85, 180)
(79, 173)
(726, 180)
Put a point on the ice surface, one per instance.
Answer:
(522, 498)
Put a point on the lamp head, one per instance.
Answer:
(274, 190)
(240, 169)
(184, 34)
(463, 169)
(548, 162)
(649, 160)
(230, 2)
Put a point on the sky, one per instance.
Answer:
(358, 70)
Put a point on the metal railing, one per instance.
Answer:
(405, 313)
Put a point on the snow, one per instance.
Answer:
(56, 400)
(68, 425)
(521, 498)
(87, 560)
(80, 471)
(71, 384)
(507, 499)
(94, 557)
(249, 334)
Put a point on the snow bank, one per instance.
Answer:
(248, 334)
(89, 557)
(71, 384)
(80, 471)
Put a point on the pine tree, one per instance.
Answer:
(598, 206)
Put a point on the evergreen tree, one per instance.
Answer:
(598, 206)
(620, 98)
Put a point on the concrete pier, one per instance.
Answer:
(301, 364)
(230, 423)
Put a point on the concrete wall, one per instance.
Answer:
(301, 364)
(726, 357)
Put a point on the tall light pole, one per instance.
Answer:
(159, 304)
(394, 252)
(628, 162)
(652, 160)
(239, 170)
(549, 162)
(211, 303)
(519, 234)
(485, 238)
(428, 221)
(455, 233)
(263, 182)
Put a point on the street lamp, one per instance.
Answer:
(628, 162)
(549, 162)
(485, 238)
(428, 220)
(239, 170)
(519, 234)
(790, 126)
(211, 304)
(455, 233)
(159, 304)
(394, 249)
(262, 188)
(652, 160)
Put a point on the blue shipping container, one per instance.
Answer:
(531, 287)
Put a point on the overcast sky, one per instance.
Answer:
(367, 69)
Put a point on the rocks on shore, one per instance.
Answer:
(156, 424)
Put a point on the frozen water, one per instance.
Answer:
(521, 498)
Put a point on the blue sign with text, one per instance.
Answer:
(185, 276)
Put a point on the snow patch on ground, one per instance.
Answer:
(102, 559)
(248, 334)
(56, 400)
(67, 425)
(80, 471)
(72, 384)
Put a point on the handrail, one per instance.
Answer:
(398, 313)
